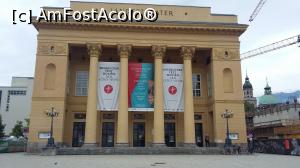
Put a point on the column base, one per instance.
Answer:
(122, 145)
(158, 145)
(89, 145)
(189, 145)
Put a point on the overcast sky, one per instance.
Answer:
(277, 20)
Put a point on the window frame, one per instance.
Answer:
(195, 89)
(77, 81)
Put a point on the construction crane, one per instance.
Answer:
(257, 9)
(271, 47)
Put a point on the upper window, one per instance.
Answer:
(17, 92)
(197, 85)
(81, 83)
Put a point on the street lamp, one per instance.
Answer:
(226, 115)
(51, 113)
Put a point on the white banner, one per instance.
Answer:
(108, 86)
(173, 87)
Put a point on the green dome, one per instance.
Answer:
(268, 99)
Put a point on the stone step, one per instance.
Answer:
(139, 151)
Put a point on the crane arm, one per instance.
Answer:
(257, 9)
(271, 47)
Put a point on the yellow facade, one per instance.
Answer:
(205, 43)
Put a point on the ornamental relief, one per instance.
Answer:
(226, 54)
(52, 49)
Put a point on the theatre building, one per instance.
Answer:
(138, 84)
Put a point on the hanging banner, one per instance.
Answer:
(140, 87)
(173, 87)
(108, 86)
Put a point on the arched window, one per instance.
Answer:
(50, 77)
(227, 80)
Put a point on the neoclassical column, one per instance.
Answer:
(94, 51)
(124, 52)
(158, 53)
(189, 124)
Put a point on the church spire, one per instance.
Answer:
(247, 84)
(268, 90)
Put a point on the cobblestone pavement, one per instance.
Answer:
(149, 161)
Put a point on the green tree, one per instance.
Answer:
(18, 129)
(2, 126)
(249, 107)
(27, 120)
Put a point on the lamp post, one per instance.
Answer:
(51, 113)
(226, 115)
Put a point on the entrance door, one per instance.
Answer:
(139, 134)
(170, 134)
(78, 134)
(198, 134)
(108, 131)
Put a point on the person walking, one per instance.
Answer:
(206, 139)
(250, 145)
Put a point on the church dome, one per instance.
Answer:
(268, 97)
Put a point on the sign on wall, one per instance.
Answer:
(140, 87)
(108, 86)
(173, 87)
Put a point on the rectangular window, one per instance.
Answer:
(17, 92)
(209, 92)
(196, 85)
(81, 83)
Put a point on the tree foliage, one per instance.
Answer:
(249, 107)
(27, 120)
(2, 126)
(17, 131)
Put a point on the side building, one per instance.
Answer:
(15, 101)
(274, 120)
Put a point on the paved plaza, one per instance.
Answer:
(147, 161)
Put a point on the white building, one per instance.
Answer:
(279, 115)
(15, 101)
(273, 119)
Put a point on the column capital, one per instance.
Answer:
(158, 51)
(124, 50)
(187, 52)
(94, 49)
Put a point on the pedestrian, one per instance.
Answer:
(250, 145)
(286, 143)
(206, 139)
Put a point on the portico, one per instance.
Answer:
(207, 50)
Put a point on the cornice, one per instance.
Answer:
(195, 27)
